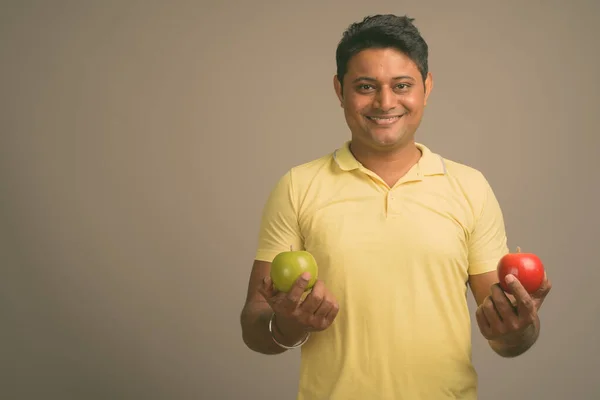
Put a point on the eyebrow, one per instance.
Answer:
(371, 79)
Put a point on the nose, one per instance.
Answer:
(385, 99)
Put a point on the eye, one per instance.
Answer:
(403, 86)
(365, 87)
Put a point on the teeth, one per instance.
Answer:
(381, 120)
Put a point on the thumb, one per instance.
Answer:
(544, 287)
(540, 295)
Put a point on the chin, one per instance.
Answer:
(387, 141)
(381, 139)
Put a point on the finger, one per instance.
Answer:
(544, 288)
(503, 305)
(324, 308)
(314, 300)
(483, 323)
(292, 299)
(525, 305)
(491, 314)
(266, 288)
(540, 295)
(516, 287)
(333, 309)
(320, 316)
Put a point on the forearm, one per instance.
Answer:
(255, 330)
(515, 346)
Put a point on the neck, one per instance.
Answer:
(390, 165)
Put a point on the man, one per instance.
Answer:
(399, 234)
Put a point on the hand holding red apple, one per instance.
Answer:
(522, 277)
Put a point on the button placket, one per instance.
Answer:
(392, 202)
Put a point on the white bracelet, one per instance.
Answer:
(299, 344)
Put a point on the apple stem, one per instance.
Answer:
(291, 247)
(518, 249)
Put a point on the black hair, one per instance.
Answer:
(382, 31)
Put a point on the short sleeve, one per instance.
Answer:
(487, 242)
(279, 227)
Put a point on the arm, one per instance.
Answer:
(510, 328)
(510, 323)
(297, 312)
(278, 230)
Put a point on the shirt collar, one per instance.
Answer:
(429, 164)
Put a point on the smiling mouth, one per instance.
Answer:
(384, 120)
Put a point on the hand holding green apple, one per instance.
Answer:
(300, 301)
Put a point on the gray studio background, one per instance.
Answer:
(139, 140)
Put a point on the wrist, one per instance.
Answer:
(286, 331)
(516, 344)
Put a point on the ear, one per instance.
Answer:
(338, 89)
(428, 86)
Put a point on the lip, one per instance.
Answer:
(384, 119)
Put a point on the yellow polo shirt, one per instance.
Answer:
(398, 260)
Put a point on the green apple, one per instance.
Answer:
(287, 267)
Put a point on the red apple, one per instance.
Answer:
(526, 267)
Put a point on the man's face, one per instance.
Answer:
(383, 98)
